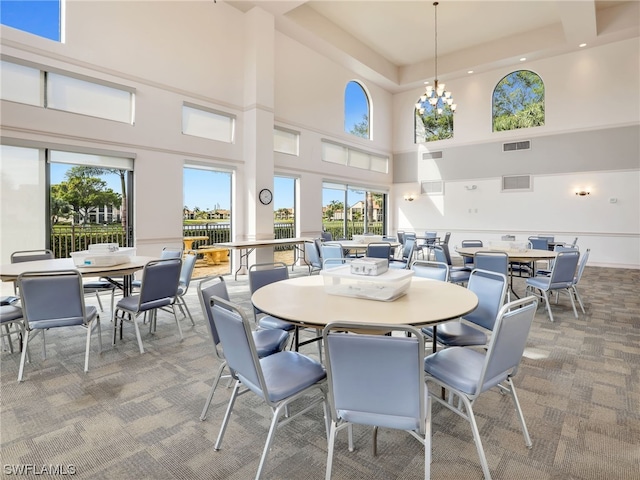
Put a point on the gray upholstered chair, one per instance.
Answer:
(563, 274)
(490, 287)
(467, 373)
(10, 315)
(429, 269)
(30, 256)
(167, 252)
(54, 300)
(159, 289)
(267, 341)
(278, 379)
(377, 380)
(539, 243)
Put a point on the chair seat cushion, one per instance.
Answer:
(9, 313)
(269, 322)
(460, 368)
(269, 341)
(285, 374)
(130, 304)
(457, 334)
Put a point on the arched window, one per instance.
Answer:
(518, 101)
(38, 18)
(432, 123)
(356, 111)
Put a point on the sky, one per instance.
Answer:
(204, 189)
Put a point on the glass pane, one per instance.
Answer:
(38, 17)
(356, 110)
(21, 84)
(87, 98)
(207, 217)
(22, 200)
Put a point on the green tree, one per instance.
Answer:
(332, 208)
(361, 129)
(122, 174)
(518, 101)
(84, 193)
(432, 126)
(58, 207)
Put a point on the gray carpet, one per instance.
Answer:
(136, 416)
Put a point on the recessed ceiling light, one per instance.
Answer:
(522, 59)
(470, 71)
(582, 45)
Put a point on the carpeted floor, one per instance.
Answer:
(136, 416)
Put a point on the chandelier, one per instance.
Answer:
(436, 95)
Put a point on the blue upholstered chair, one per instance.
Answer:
(166, 252)
(539, 243)
(467, 373)
(490, 287)
(429, 269)
(278, 379)
(561, 279)
(456, 274)
(576, 280)
(379, 250)
(376, 380)
(468, 261)
(54, 301)
(186, 272)
(10, 315)
(408, 250)
(159, 289)
(332, 255)
(261, 274)
(326, 236)
(267, 341)
(494, 262)
(312, 257)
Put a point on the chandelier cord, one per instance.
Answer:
(435, 4)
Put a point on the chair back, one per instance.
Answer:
(312, 254)
(261, 274)
(376, 379)
(581, 265)
(168, 252)
(209, 287)
(31, 255)
(492, 261)
(53, 299)
(408, 248)
(430, 238)
(400, 237)
(332, 255)
(539, 243)
(564, 269)
(239, 347)
(491, 288)
(160, 281)
(379, 250)
(447, 236)
(508, 341)
(470, 243)
(429, 269)
(326, 236)
(186, 272)
(442, 253)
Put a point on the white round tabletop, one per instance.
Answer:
(524, 256)
(304, 301)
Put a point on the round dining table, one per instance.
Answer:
(304, 302)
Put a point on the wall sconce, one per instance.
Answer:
(470, 187)
(583, 191)
(410, 198)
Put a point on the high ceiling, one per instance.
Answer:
(392, 42)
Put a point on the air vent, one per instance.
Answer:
(516, 182)
(432, 188)
(431, 155)
(514, 146)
